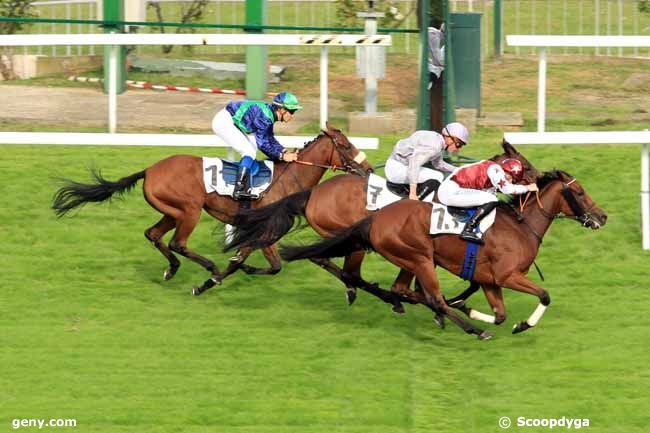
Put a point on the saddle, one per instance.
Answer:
(220, 176)
(423, 189)
(260, 173)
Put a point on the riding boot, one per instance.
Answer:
(468, 232)
(242, 187)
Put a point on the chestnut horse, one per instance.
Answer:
(400, 233)
(332, 206)
(174, 187)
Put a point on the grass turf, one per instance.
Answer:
(90, 331)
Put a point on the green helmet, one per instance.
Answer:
(287, 100)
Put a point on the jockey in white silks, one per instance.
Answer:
(477, 184)
(409, 155)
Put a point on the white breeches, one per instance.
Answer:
(451, 194)
(397, 172)
(224, 128)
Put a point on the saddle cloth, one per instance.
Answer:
(379, 195)
(451, 220)
(220, 175)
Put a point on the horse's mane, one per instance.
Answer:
(549, 176)
(309, 143)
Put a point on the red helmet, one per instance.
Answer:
(514, 168)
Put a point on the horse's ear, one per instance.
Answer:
(509, 149)
(330, 127)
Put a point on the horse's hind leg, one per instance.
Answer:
(426, 274)
(185, 224)
(155, 234)
(271, 255)
(354, 281)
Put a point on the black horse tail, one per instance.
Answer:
(75, 194)
(354, 238)
(262, 227)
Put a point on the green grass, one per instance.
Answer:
(90, 331)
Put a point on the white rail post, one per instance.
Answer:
(323, 87)
(112, 90)
(645, 197)
(541, 91)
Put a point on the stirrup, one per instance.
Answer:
(243, 195)
(471, 236)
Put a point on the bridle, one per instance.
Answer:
(350, 165)
(582, 215)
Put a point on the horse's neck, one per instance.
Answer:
(306, 176)
(318, 152)
(540, 219)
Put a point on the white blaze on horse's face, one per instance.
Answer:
(361, 156)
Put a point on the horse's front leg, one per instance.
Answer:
(521, 283)
(494, 296)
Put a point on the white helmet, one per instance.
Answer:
(458, 130)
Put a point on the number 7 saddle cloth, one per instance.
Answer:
(220, 175)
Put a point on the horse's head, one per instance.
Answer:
(576, 203)
(531, 174)
(346, 154)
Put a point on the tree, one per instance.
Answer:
(644, 6)
(346, 13)
(14, 9)
(189, 14)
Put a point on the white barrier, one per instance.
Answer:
(175, 140)
(604, 137)
(543, 41)
(114, 39)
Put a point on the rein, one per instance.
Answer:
(347, 167)
(330, 167)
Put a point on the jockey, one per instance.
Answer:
(409, 155)
(238, 119)
(476, 185)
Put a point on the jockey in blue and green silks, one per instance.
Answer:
(248, 125)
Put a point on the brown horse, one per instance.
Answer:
(332, 206)
(174, 186)
(400, 233)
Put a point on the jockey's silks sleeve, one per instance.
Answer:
(257, 118)
(420, 148)
(498, 178)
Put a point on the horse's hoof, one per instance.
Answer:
(169, 274)
(196, 291)
(439, 320)
(351, 296)
(485, 335)
(520, 327)
(398, 308)
(458, 303)
(236, 259)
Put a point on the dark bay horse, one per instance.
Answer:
(332, 206)
(174, 186)
(400, 233)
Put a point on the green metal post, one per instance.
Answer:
(498, 15)
(114, 11)
(449, 113)
(256, 55)
(423, 121)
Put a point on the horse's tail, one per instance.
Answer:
(75, 194)
(262, 227)
(354, 238)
